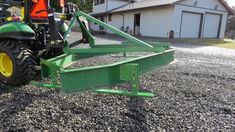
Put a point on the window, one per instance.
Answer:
(102, 1)
(99, 2)
(110, 17)
(96, 2)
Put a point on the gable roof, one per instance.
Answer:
(157, 3)
(230, 10)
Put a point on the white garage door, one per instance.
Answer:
(211, 26)
(190, 26)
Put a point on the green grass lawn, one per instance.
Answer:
(223, 43)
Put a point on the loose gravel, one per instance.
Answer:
(107, 59)
(197, 93)
(98, 61)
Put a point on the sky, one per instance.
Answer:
(231, 2)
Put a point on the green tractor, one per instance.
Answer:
(37, 41)
(26, 38)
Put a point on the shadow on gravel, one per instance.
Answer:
(135, 115)
(6, 88)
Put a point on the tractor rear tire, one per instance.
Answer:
(17, 64)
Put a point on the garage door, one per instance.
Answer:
(190, 25)
(212, 25)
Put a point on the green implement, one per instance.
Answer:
(96, 78)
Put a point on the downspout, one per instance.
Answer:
(107, 1)
(123, 21)
(107, 16)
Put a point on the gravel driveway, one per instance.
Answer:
(197, 93)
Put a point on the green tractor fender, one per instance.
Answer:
(16, 30)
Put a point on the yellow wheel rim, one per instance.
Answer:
(6, 66)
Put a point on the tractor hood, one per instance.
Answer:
(16, 30)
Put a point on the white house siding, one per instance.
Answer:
(112, 4)
(203, 6)
(100, 8)
(123, 20)
(108, 5)
(117, 21)
(149, 26)
(157, 22)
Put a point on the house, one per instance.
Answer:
(160, 18)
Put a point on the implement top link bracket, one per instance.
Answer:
(95, 78)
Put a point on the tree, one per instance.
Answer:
(231, 23)
(83, 5)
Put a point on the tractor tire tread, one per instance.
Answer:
(26, 65)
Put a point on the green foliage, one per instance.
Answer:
(55, 4)
(231, 24)
(84, 5)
